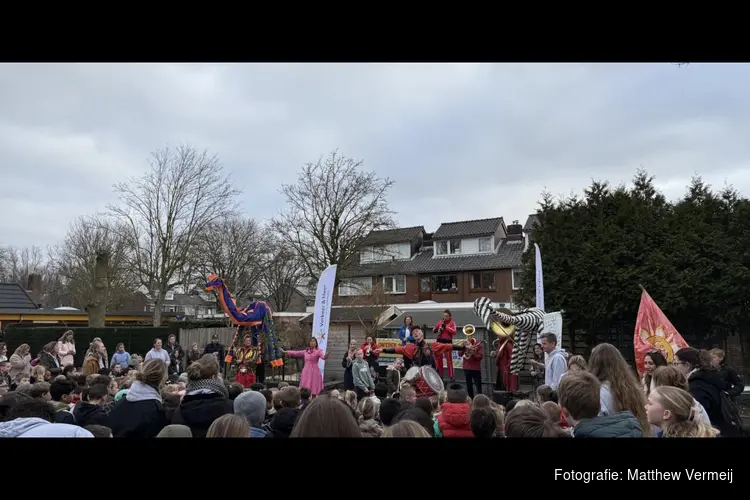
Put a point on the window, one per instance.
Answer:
(169, 296)
(394, 284)
(425, 283)
(355, 286)
(516, 278)
(485, 244)
(445, 283)
(483, 281)
(448, 247)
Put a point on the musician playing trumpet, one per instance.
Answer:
(472, 361)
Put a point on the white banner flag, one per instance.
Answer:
(539, 279)
(322, 315)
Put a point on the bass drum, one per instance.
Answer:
(432, 379)
(411, 376)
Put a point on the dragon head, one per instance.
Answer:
(213, 282)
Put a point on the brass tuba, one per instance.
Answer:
(469, 330)
(505, 332)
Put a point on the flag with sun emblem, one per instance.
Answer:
(653, 331)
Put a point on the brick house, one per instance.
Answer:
(459, 262)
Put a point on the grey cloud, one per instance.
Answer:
(461, 141)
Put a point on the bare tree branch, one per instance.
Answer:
(236, 249)
(17, 264)
(183, 193)
(330, 210)
(282, 275)
(377, 299)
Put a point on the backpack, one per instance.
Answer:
(730, 414)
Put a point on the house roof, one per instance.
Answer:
(531, 222)
(68, 312)
(508, 256)
(398, 235)
(468, 228)
(349, 314)
(14, 297)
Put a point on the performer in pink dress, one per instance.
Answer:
(311, 376)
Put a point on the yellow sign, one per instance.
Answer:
(386, 359)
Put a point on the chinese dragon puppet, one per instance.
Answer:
(254, 323)
(516, 329)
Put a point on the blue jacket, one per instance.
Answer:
(404, 337)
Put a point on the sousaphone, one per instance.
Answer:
(504, 331)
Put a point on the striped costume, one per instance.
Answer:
(527, 322)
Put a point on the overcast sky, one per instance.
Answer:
(461, 141)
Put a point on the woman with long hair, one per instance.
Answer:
(66, 349)
(49, 358)
(672, 410)
(706, 385)
(347, 365)
(206, 397)
(671, 376)
(326, 418)
(194, 354)
(620, 389)
(94, 358)
(311, 376)
(651, 361)
(20, 362)
(140, 413)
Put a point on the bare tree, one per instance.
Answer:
(183, 193)
(234, 248)
(97, 307)
(17, 264)
(331, 209)
(282, 275)
(75, 261)
(369, 306)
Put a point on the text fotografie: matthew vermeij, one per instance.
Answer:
(689, 474)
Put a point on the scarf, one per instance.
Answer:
(206, 386)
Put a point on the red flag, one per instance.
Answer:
(653, 331)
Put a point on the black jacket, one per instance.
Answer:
(88, 414)
(139, 419)
(706, 387)
(619, 425)
(198, 411)
(218, 349)
(283, 422)
(729, 374)
(48, 361)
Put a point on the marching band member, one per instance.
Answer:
(418, 353)
(371, 352)
(445, 330)
(473, 354)
(245, 361)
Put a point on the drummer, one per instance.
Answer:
(416, 354)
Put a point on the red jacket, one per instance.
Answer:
(448, 332)
(373, 346)
(455, 421)
(475, 361)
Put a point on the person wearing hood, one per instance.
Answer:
(251, 405)
(141, 412)
(363, 383)
(206, 397)
(216, 349)
(706, 386)
(66, 349)
(24, 416)
(454, 420)
(93, 361)
(157, 352)
(90, 412)
(556, 364)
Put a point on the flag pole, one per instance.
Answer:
(642, 289)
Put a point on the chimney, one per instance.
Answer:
(34, 288)
(515, 229)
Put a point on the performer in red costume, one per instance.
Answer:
(246, 362)
(502, 362)
(418, 353)
(445, 330)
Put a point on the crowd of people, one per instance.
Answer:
(173, 393)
